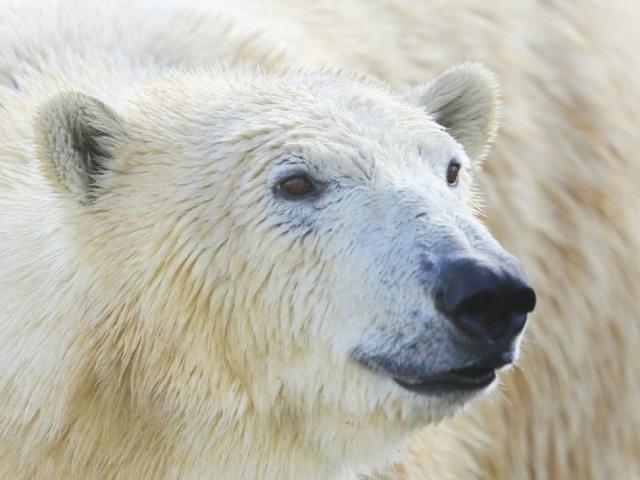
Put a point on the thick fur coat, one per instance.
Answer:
(561, 191)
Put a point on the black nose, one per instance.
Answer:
(484, 300)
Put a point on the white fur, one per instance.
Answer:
(177, 327)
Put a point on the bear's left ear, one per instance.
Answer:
(464, 100)
(77, 136)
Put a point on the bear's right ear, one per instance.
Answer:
(77, 136)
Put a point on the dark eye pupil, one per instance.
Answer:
(452, 173)
(297, 186)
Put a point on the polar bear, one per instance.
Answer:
(227, 273)
(561, 186)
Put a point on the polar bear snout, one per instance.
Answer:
(486, 301)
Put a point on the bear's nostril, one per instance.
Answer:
(523, 300)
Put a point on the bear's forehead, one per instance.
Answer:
(359, 128)
(354, 111)
(372, 104)
(326, 113)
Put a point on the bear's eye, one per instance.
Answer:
(453, 172)
(297, 187)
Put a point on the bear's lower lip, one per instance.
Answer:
(460, 380)
(468, 377)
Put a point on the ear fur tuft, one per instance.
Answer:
(77, 135)
(464, 100)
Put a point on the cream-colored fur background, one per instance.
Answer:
(562, 190)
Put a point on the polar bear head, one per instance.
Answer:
(293, 255)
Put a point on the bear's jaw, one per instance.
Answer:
(468, 378)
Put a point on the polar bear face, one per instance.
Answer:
(300, 247)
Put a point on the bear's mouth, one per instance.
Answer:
(468, 378)
(462, 379)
